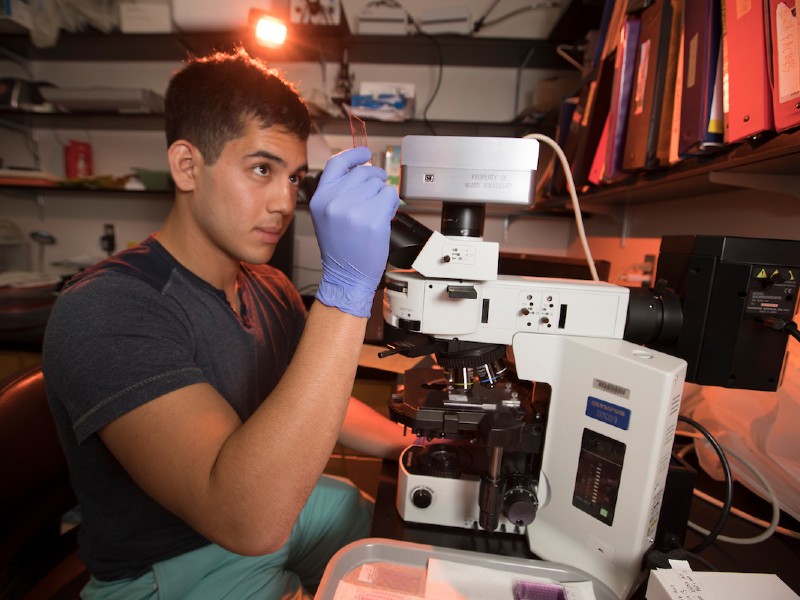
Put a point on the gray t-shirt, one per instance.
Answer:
(128, 330)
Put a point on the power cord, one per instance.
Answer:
(482, 22)
(770, 528)
(712, 535)
(440, 58)
(659, 558)
(573, 196)
(561, 50)
(440, 72)
(779, 324)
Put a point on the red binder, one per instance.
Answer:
(785, 47)
(747, 96)
(597, 172)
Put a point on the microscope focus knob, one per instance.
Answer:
(422, 498)
(520, 502)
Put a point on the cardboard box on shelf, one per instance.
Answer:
(15, 16)
(145, 16)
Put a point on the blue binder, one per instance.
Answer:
(700, 131)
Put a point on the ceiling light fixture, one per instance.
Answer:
(269, 31)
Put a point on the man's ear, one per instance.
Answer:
(183, 160)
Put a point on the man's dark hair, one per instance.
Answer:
(209, 101)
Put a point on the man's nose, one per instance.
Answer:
(283, 199)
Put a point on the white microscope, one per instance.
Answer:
(546, 416)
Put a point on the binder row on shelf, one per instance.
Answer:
(676, 79)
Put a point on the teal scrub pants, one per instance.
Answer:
(335, 515)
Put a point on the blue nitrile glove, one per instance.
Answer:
(352, 212)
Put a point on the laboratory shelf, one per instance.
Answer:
(453, 50)
(770, 163)
(127, 121)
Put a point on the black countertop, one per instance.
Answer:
(779, 554)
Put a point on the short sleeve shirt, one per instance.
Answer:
(133, 328)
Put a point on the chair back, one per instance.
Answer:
(35, 491)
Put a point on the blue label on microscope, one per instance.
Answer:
(607, 412)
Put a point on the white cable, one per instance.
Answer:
(746, 516)
(771, 527)
(482, 23)
(561, 51)
(573, 196)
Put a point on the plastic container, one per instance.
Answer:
(372, 550)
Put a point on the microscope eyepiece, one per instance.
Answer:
(408, 237)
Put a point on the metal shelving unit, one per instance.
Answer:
(332, 125)
(382, 49)
(770, 163)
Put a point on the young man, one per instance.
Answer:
(196, 403)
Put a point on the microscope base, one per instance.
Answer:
(441, 501)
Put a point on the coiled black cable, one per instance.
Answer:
(726, 506)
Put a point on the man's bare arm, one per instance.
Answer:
(367, 431)
(242, 485)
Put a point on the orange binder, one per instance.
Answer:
(785, 47)
(747, 96)
(670, 83)
(647, 95)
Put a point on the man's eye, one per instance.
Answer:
(296, 179)
(262, 170)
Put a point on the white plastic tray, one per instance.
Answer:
(416, 555)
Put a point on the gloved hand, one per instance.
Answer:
(352, 211)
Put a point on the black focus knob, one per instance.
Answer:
(520, 508)
(520, 502)
(421, 498)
